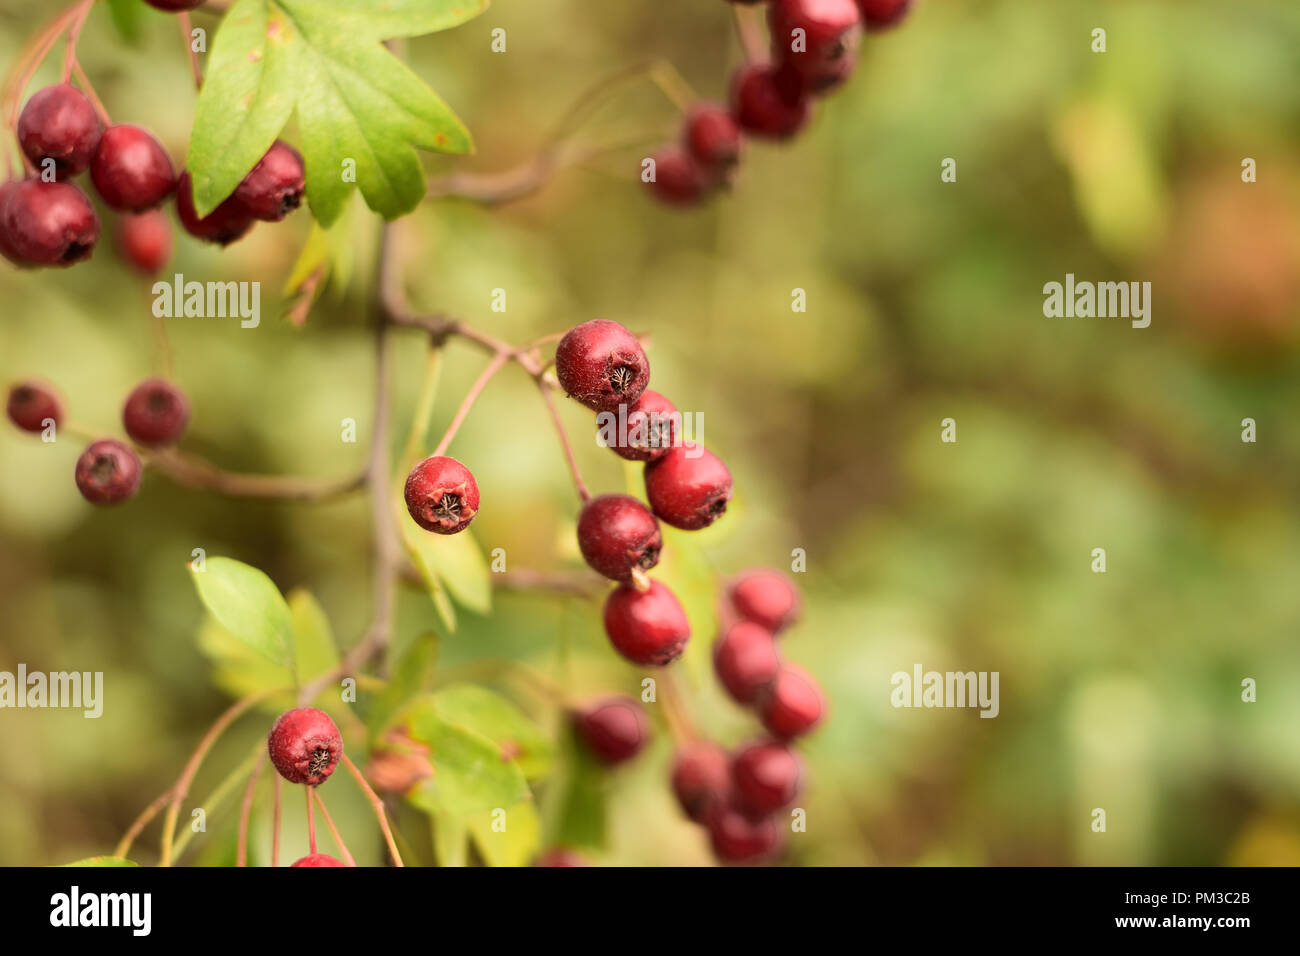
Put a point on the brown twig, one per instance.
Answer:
(194, 472)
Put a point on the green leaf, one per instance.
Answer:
(127, 16)
(450, 839)
(103, 861)
(360, 110)
(237, 669)
(420, 548)
(459, 563)
(248, 605)
(517, 844)
(492, 716)
(313, 638)
(412, 675)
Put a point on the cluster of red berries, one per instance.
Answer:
(814, 51)
(108, 472)
(305, 746)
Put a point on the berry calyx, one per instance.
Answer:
(108, 472)
(793, 704)
(617, 534)
(712, 138)
(60, 123)
(602, 365)
(31, 405)
(441, 495)
(305, 746)
(49, 224)
(316, 859)
(881, 14)
(769, 101)
(145, 241)
(679, 180)
(766, 597)
(745, 660)
(767, 776)
(274, 187)
(561, 856)
(701, 779)
(824, 52)
(225, 224)
(132, 171)
(651, 426)
(739, 838)
(647, 627)
(156, 413)
(615, 729)
(688, 487)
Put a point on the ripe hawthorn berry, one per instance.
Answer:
(316, 859)
(225, 224)
(712, 138)
(647, 627)
(7, 248)
(688, 487)
(305, 746)
(561, 856)
(766, 597)
(132, 171)
(615, 730)
(108, 472)
(156, 413)
(602, 365)
(274, 187)
(767, 776)
(616, 533)
(145, 241)
(745, 660)
(701, 779)
(881, 14)
(738, 837)
(679, 179)
(441, 495)
(651, 426)
(831, 32)
(792, 705)
(60, 123)
(30, 404)
(49, 224)
(769, 101)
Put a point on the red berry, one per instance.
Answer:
(145, 240)
(225, 224)
(739, 838)
(701, 779)
(561, 857)
(305, 746)
(616, 533)
(879, 14)
(602, 365)
(793, 705)
(745, 660)
(49, 224)
(156, 413)
(679, 180)
(688, 487)
(831, 31)
(132, 171)
(647, 627)
(31, 404)
(650, 427)
(767, 598)
(441, 495)
(274, 187)
(767, 777)
(175, 6)
(108, 472)
(769, 101)
(7, 248)
(713, 139)
(615, 729)
(316, 859)
(60, 123)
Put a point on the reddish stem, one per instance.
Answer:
(91, 94)
(187, 34)
(378, 805)
(578, 483)
(245, 811)
(494, 366)
(311, 823)
(74, 31)
(275, 824)
(329, 822)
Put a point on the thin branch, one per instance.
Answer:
(311, 822)
(749, 33)
(191, 471)
(137, 826)
(95, 101)
(245, 811)
(494, 366)
(378, 805)
(275, 821)
(186, 28)
(334, 832)
(74, 31)
(578, 483)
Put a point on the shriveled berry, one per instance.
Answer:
(769, 101)
(49, 224)
(561, 857)
(881, 14)
(60, 123)
(615, 729)
(132, 171)
(712, 138)
(650, 427)
(766, 597)
(305, 746)
(145, 241)
(792, 705)
(616, 533)
(767, 776)
(679, 179)
(31, 405)
(745, 660)
(441, 495)
(316, 859)
(688, 487)
(107, 472)
(737, 837)
(701, 779)
(815, 37)
(156, 413)
(225, 224)
(647, 627)
(274, 187)
(602, 365)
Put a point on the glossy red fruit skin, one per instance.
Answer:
(767, 776)
(60, 123)
(793, 704)
(614, 730)
(881, 14)
(602, 365)
(648, 628)
(679, 180)
(145, 241)
(305, 746)
(701, 779)
(30, 404)
(832, 29)
(441, 495)
(766, 597)
(745, 660)
(713, 139)
(274, 187)
(6, 245)
(769, 101)
(617, 533)
(561, 857)
(651, 426)
(688, 487)
(49, 224)
(132, 171)
(316, 859)
(156, 413)
(107, 472)
(225, 224)
(739, 838)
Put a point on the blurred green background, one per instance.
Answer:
(1118, 690)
